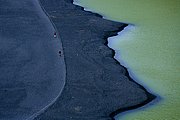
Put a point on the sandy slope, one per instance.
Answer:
(97, 87)
(32, 73)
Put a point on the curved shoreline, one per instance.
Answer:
(150, 96)
(31, 71)
(67, 93)
(115, 33)
(64, 78)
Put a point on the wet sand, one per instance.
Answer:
(97, 86)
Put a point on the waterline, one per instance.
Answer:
(151, 50)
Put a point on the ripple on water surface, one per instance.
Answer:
(150, 49)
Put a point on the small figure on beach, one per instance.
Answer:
(60, 53)
(55, 35)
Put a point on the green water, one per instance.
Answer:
(150, 49)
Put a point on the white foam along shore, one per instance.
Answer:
(112, 41)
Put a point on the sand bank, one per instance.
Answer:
(97, 86)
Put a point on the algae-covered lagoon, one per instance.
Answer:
(149, 48)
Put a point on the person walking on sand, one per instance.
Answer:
(55, 35)
(60, 53)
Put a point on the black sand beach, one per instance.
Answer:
(32, 74)
(97, 86)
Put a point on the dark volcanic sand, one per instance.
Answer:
(32, 73)
(97, 87)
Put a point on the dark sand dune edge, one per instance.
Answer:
(32, 73)
(96, 85)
